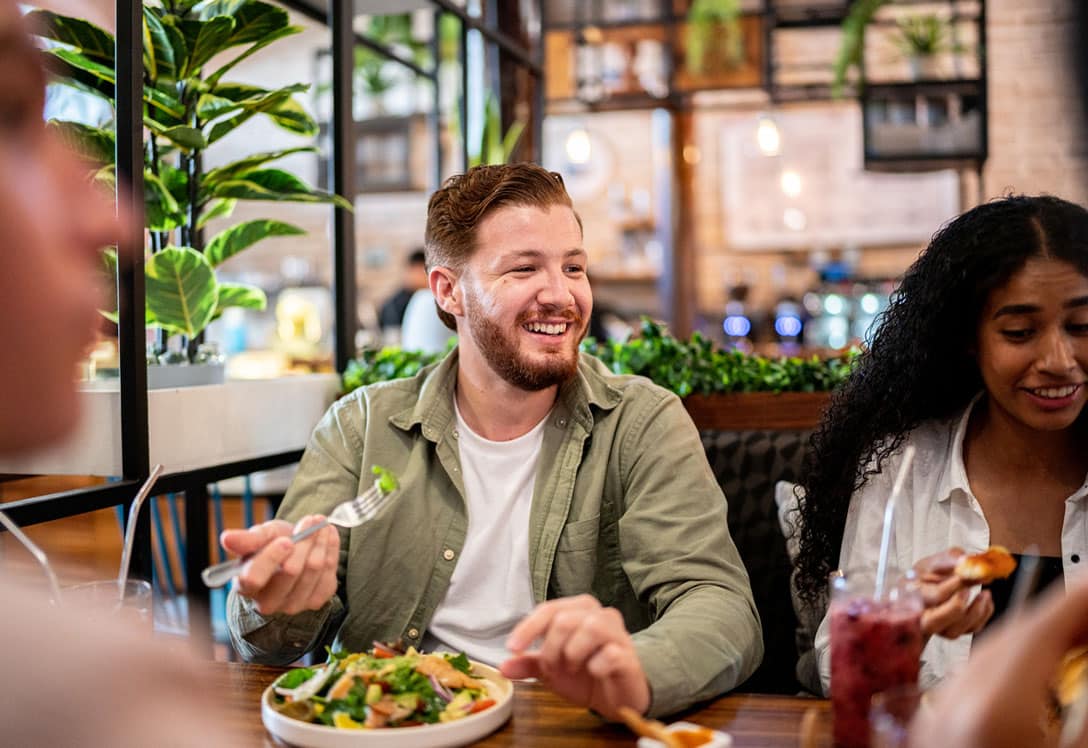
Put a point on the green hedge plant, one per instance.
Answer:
(694, 366)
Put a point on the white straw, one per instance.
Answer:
(37, 553)
(130, 530)
(889, 520)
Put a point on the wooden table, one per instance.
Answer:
(540, 718)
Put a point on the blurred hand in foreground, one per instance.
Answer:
(1002, 698)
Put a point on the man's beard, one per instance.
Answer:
(500, 350)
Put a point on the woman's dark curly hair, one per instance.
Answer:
(920, 366)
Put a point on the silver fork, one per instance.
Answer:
(351, 513)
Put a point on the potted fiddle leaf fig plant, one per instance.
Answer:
(189, 105)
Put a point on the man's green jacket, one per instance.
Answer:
(625, 508)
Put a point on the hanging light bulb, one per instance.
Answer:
(767, 136)
(578, 146)
(790, 182)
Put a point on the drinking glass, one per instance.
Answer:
(102, 599)
(876, 644)
(890, 716)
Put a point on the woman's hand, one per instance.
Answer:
(949, 610)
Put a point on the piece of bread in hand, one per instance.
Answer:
(1071, 675)
(982, 568)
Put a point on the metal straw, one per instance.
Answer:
(36, 552)
(130, 530)
(889, 520)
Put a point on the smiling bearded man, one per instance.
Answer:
(530, 256)
(543, 498)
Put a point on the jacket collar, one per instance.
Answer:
(433, 409)
(954, 470)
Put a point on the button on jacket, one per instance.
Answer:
(625, 507)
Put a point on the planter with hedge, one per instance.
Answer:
(721, 389)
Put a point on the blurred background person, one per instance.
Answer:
(423, 329)
(391, 314)
(70, 679)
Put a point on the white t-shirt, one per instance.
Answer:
(491, 588)
(936, 511)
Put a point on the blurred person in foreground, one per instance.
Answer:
(543, 498)
(1004, 697)
(981, 363)
(68, 680)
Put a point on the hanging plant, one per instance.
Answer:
(710, 22)
(853, 42)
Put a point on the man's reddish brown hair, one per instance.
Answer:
(464, 200)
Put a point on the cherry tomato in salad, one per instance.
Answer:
(482, 704)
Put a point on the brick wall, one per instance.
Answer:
(1037, 122)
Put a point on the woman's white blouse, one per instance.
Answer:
(936, 511)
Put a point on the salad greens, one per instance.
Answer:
(382, 688)
(387, 482)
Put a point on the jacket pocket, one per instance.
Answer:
(580, 535)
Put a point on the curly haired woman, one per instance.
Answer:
(981, 363)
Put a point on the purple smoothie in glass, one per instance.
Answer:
(875, 645)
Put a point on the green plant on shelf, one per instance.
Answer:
(188, 105)
(714, 32)
(919, 38)
(694, 366)
(494, 146)
(852, 46)
(922, 36)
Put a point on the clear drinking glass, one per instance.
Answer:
(102, 599)
(890, 716)
(876, 644)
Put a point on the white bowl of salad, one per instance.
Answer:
(387, 698)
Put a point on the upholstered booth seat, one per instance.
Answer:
(747, 465)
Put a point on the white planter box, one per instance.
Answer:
(191, 427)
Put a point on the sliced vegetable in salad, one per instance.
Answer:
(382, 688)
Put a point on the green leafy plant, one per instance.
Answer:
(709, 21)
(188, 106)
(696, 366)
(495, 147)
(381, 365)
(689, 367)
(922, 36)
(393, 30)
(852, 47)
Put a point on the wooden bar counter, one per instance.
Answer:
(542, 719)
